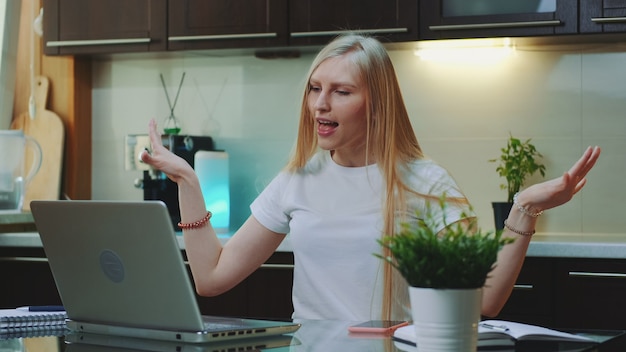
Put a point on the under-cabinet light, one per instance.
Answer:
(474, 51)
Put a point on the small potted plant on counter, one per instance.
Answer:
(445, 271)
(517, 162)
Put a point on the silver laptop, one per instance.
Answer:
(86, 342)
(119, 271)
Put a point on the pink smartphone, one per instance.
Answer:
(377, 326)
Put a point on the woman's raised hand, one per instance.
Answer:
(162, 158)
(560, 190)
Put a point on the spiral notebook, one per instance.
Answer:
(33, 331)
(22, 317)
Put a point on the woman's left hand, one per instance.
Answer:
(558, 191)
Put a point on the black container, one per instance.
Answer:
(501, 211)
(156, 185)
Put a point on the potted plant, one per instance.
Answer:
(517, 162)
(445, 271)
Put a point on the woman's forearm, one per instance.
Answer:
(202, 246)
(510, 259)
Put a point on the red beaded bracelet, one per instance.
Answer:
(197, 224)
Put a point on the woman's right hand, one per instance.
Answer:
(162, 158)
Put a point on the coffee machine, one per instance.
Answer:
(155, 184)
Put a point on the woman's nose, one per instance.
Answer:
(321, 103)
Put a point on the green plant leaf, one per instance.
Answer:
(517, 162)
(453, 258)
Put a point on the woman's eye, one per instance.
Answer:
(314, 88)
(342, 92)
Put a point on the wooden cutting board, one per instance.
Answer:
(48, 130)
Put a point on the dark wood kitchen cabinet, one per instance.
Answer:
(532, 298)
(602, 16)
(199, 24)
(265, 294)
(569, 293)
(74, 27)
(270, 287)
(590, 293)
(26, 278)
(95, 26)
(317, 21)
(450, 19)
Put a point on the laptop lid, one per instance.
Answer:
(119, 270)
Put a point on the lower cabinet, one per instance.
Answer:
(591, 293)
(26, 278)
(532, 298)
(269, 288)
(571, 293)
(576, 293)
(266, 294)
(568, 293)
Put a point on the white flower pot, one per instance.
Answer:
(446, 319)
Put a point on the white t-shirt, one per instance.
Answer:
(333, 215)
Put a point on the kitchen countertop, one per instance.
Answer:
(14, 221)
(16, 217)
(566, 245)
(18, 231)
(31, 239)
(578, 245)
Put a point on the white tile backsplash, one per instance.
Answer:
(562, 98)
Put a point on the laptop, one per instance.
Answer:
(86, 342)
(119, 271)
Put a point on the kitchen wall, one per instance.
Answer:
(564, 98)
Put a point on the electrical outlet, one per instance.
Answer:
(135, 144)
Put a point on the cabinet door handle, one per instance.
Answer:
(24, 259)
(523, 287)
(221, 36)
(277, 266)
(267, 266)
(334, 33)
(97, 42)
(601, 275)
(608, 19)
(455, 27)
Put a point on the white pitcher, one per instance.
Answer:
(13, 176)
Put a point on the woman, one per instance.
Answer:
(357, 172)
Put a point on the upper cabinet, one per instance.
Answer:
(114, 26)
(317, 21)
(447, 19)
(93, 26)
(201, 24)
(602, 16)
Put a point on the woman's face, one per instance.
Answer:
(337, 98)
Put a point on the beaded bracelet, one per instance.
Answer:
(196, 224)
(524, 210)
(519, 232)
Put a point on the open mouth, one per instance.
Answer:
(326, 127)
(326, 123)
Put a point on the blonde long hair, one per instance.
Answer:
(390, 136)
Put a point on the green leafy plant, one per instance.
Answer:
(456, 257)
(516, 163)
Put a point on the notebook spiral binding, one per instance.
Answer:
(15, 318)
